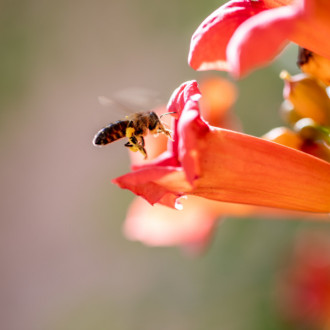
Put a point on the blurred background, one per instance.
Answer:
(65, 263)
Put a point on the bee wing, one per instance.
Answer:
(138, 98)
(104, 101)
(131, 100)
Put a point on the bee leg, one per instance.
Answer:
(132, 147)
(132, 143)
(140, 145)
(137, 147)
(142, 141)
(163, 129)
(136, 143)
(143, 152)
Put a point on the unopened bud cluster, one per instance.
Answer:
(306, 107)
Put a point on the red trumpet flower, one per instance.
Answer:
(224, 165)
(244, 34)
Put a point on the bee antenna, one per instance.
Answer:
(167, 113)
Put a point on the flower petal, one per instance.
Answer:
(244, 169)
(313, 28)
(258, 40)
(209, 42)
(191, 129)
(156, 184)
(188, 91)
(185, 92)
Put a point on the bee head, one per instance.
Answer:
(156, 126)
(154, 121)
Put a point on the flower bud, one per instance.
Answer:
(308, 97)
(284, 136)
(307, 129)
(315, 65)
(288, 113)
(319, 149)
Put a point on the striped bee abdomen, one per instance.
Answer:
(111, 133)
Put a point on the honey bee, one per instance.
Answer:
(134, 127)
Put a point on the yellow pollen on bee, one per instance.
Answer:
(130, 132)
(134, 149)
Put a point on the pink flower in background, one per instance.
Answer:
(190, 228)
(244, 34)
